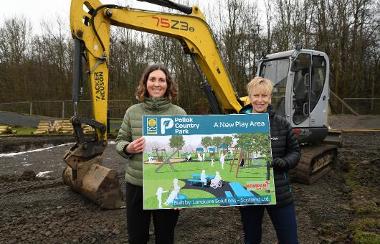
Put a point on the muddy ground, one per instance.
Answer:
(44, 210)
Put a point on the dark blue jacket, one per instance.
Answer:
(285, 146)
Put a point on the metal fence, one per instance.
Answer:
(362, 105)
(354, 105)
(64, 108)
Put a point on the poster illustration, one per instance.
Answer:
(207, 161)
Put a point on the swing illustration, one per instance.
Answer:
(164, 159)
(245, 160)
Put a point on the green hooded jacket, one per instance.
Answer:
(131, 129)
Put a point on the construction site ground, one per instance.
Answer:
(44, 210)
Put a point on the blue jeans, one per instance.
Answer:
(283, 220)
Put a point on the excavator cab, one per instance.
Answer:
(301, 90)
(301, 94)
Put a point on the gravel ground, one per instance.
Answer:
(349, 122)
(43, 210)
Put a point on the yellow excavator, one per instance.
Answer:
(293, 73)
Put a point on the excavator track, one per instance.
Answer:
(315, 162)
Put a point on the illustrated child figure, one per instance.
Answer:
(174, 193)
(150, 159)
(159, 192)
(222, 159)
(176, 187)
(217, 181)
(212, 162)
(242, 162)
(203, 177)
(199, 157)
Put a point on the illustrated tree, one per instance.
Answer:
(206, 141)
(227, 140)
(217, 141)
(177, 142)
(258, 142)
(261, 144)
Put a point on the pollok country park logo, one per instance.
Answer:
(166, 123)
(151, 126)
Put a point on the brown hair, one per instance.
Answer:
(260, 81)
(141, 91)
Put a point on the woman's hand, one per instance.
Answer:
(279, 163)
(136, 146)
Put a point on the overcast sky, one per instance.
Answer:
(37, 11)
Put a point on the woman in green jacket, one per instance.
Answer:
(155, 91)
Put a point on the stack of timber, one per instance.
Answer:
(44, 127)
(5, 129)
(63, 126)
(59, 127)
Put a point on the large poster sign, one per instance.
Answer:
(207, 161)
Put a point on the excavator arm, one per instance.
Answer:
(90, 22)
(92, 27)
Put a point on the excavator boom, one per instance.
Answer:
(90, 22)
(191, 30)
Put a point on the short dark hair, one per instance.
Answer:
(142, 92)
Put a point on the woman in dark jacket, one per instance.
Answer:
(285, 154)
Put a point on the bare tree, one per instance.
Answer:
(269, 20)
(36, 67)
(13, 46)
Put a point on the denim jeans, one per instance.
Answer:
(283, 220)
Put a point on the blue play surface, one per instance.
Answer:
(239, 190)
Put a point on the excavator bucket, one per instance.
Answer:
(89, 178)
